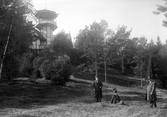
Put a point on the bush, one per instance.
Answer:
(25, 65)
(36, 67)
(55, 71)
(66, 72)
(10, 68)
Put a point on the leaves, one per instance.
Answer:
(61, 43)
(162, 9)
(12, 14)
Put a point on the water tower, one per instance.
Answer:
(46, 23)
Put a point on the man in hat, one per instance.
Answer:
(97, 85)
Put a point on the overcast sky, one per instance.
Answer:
(136, 14)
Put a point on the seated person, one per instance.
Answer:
(115, 98)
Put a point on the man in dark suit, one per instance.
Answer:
(97, 85)
(151, 93)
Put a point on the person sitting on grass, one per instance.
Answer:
(115, 98)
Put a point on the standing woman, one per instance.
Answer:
(97, 85)
(151, 93)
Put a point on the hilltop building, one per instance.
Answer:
(46, 23)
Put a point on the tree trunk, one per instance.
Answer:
(141, 68)
(122, 64)
(105, 71)
(96, 63)
(5, 50)
(150, 68)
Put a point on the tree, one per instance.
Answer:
(76, 57)
(162, 9)
(84, 43)
(53, 60)
(119, 42)
(91, 41)
(129, 53)
(15, 34)
(162, 65)
(141, 58)
(62, 45)
(158, 44)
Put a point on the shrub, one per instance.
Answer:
(36, 65)
(55, 71)
(66, 72)
(10, 68)
(25, 65)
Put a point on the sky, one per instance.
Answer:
(135, 14)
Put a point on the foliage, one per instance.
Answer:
(76, 57)
(10, 68)
(162, 9)
(119, 47)
(162, 65)
(61, 43)
(141, 58)
(37, 61)
(134, 56)
(91, 41)
(52, 62)
(13, 13)
(52, 69)
(25, 64)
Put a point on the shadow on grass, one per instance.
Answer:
(25, 116)
(121, 81)
(24, 95)
(89, 101)
(79, 81)
(127, 96)
(132, 92)
(133, 98)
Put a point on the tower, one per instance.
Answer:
(46, 23)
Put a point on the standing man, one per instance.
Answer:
(97, 85)
(151, 93)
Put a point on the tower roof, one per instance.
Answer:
(46, 14)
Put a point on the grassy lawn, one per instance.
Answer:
(76, 99)
(112, 79)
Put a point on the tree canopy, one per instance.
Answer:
(16, 34)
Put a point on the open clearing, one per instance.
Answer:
(76, 99)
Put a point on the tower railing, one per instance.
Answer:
(41, 21)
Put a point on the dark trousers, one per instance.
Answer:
(153, 104)
(98, 99)
(115, 99)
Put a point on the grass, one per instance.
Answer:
(112, 79)
(76, 99)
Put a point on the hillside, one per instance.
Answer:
(76, 99)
